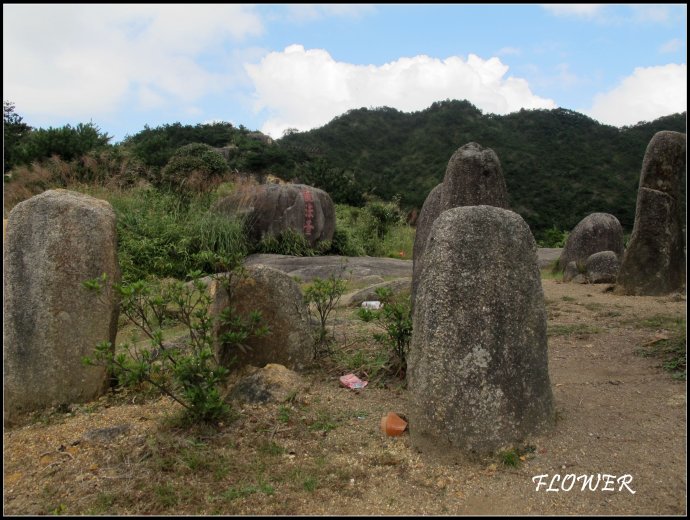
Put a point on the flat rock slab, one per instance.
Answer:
(309, 267)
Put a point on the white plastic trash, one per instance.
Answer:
(371, 305)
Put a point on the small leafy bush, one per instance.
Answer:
(187, 370)
(321, 297)
(395, 319)
(194, 168)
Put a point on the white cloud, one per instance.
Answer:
(506, 51)
(311, 12)
(649, 93)
(577, 10)
(304, 89)
(83, 60)
(670, 46)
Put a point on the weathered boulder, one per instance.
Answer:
(271, 209)
(56, 241)
(654, 262)
(574, 272)
(281, 304)
(270, 384)
(477, 366)
(602, 267)
(473, 177)
(596, 232)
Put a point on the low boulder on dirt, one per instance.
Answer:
(602, 267)
(280, 301)
(596, 232)
(273, 383)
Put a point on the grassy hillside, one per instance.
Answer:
(559, 165)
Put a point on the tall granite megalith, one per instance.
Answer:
(654, 262)
(478, 368)
(56, 241)
(473, 177)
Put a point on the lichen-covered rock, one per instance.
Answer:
(55, 242)
(477, 366)
(654, 262)
(596, 232)
(271, 209)
(281, 304)
(473, 177)
(602, 267)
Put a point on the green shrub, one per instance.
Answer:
(162, 235)
(188, 370)
(291, 242)
(322, 296)
(194, 168)
(395, 319)
(552, 237)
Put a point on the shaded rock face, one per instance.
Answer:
(270, 384)
(574, 273)
(280, 302)
(56, 241)
(602, 267)
(654, 262)
(273, 208)
(477, 368)
(596, 232)
(473, 177)
(431, 209)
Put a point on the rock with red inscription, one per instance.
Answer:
(272, 209)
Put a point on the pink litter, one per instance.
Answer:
(352, 381)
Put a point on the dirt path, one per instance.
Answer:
(322, 453)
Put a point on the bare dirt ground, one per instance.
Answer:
(322, 452)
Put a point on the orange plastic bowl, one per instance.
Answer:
(392, 425)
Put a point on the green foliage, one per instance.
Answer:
(377, 229)
(14, 131)
(195, 168)
(187, 371)
(553, 237)
(66, 142)
(559, 165)
(322, 296)
(161, 235)
(395, 319)
(287, 242)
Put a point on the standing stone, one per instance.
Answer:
(56, 241)
(654, 262)
(478, 368)
(431, 209)
(596, 232)
(280, 301)
(273, 208)
(473, 177)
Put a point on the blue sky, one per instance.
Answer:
(271, 67)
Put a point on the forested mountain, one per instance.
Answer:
(559, 165)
